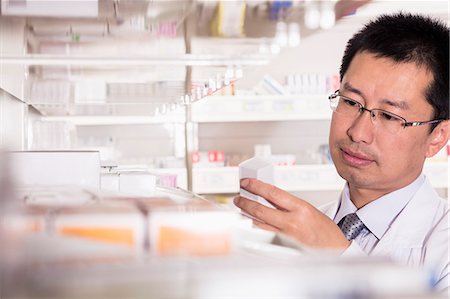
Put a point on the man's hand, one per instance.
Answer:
(293, 216)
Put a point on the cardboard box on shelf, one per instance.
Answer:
(192, 232)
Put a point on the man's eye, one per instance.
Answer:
(350, 102)
(387, 116)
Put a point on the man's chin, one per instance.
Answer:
(354, 176)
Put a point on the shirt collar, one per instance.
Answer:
(378, 215)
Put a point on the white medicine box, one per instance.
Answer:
(256, 168)
(137, 183)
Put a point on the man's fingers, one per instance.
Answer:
(269, 216)
(265, 226)
(276, 196)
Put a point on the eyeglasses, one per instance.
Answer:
(380, 118)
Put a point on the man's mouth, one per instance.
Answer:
(356, 159)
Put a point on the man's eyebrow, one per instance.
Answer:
(349, 87)
(396, 104)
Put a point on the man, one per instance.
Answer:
(390, 113)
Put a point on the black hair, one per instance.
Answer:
(404, 38)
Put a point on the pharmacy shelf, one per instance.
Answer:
(181, 174)
(320, 177)
(289, 178)
(110, 181)
(117, 120)
(210, 109)
(215, 180)
(108, 113)
(261, 108)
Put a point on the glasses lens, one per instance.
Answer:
(380, 118)
(345, 106)
(387, 120)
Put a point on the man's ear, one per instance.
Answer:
(438, 138)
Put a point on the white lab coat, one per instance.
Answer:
(419, 237)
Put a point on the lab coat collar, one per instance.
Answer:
(378, 215)
(412, 225)
(345, 206)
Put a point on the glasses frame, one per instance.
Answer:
(362, 109)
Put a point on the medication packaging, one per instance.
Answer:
(256, 168)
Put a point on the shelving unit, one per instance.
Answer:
(261, 108)
(96, 120)
(297, 178)
(143, 71)
(130, 79)
(12, 135)
(314, 177)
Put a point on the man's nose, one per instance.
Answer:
(362, 128)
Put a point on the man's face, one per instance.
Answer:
(366, 155)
